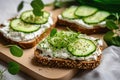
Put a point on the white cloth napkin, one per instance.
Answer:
(109, 69)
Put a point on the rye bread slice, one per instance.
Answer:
(65, 63)
(82, 29)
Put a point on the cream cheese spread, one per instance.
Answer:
(47, 50)
(82, 23)
(21, 36)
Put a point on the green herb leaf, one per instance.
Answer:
(20, 6)
(53, 32)
(110, 39)
(116, 41)
(37, 6)
(37, 12)
(111, 25)
(16, 51)
(13, 68)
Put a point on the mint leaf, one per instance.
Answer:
(111, 25)
(20, 6)
(37, 6)
(16, 51)
(13, 68)
(110, 39)
(53, 32)
(37, 12)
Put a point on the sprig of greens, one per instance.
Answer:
(37, 6)
(110, 37)
(13, 67)
(1, 73)
(111, 25)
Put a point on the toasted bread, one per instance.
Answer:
(80, 28)
(52, 55)
(30, 43)
(66, 63)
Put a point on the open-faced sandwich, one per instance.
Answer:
(85, 19)
(27, 30)
(68, 49)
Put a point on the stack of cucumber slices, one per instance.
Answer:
(75, 43)
(28, 22)
(89, 15)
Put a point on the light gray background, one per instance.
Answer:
(109, 68)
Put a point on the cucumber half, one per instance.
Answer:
(19, 25)
(84, 11)
(81, 47)
(69, 13)
(97, 17)
(29, 17)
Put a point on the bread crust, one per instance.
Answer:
(66, 63)
(76, 27)
(30, 43)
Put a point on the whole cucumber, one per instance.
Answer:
(109, 5)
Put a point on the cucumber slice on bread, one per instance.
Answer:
(20, 26)
(69, 13)
(29, 17)
(97, 17)
(84, 11)
(81, 47)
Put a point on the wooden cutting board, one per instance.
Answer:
(26, 62)
(38, 72)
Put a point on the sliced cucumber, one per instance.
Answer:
(69, 13)
(81, 47)
(29, 17)
(19, 25)
(97, 17)
(84, 11)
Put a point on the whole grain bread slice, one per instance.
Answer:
(65, 63)
(81, 28)
(30, 43)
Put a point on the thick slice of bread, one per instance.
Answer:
(30, 43)
(82, 29)
(66, 63)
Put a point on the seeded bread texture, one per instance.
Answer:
(65, 63)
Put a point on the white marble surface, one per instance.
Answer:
(109, 68)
